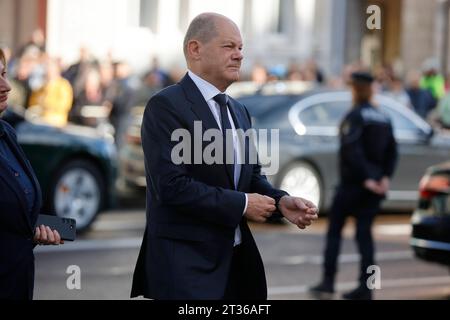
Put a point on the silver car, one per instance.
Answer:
(308, 148)
(307, 120)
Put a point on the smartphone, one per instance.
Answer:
(66, 227)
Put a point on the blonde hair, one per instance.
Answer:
(2, 57)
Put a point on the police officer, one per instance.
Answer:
(367, 158)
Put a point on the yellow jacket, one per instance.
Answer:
(55, 99)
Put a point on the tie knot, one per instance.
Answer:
(221, 99)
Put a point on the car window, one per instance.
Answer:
(399, 121)
(326, 114)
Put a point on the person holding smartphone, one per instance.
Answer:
(20, 203)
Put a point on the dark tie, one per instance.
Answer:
(222, 100)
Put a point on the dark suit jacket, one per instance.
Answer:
(16, 226)
(194, 209)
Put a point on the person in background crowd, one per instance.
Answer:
(119, 96)
(91, 94)
(151, 84)
(156, 70)
(432, 80)
(20, 82)
(294, 72)
(313, 72)
(36, 43)
(54, 100)
(421, 99)
(76, 74)
(259, 74)
(397, 92)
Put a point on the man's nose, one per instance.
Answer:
(238, 55)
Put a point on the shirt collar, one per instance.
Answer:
(208, 90)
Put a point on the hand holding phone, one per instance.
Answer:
(65, 227)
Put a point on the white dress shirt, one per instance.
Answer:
(208, 92)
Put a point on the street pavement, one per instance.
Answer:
(107, 253)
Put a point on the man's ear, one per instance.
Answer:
(194, 47)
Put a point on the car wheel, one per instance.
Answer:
(77, 192)
(302, 180)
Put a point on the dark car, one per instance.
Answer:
(76, 167)
(431, 220)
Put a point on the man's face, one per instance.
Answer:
(220, 58)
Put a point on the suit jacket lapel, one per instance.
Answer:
(203, 112)
(199, 105)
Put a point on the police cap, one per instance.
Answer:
(362, 77)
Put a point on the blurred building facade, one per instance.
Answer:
(333, 32)
(19, 18)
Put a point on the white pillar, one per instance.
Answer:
(332, 21)
(442, 34)
(304, 41)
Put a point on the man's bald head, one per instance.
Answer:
(213, 49)
(203, 28)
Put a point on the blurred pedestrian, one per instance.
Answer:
(432, 80)
(294, 72)
(259, 74)
(76, 74)
(150, 85)
(119, 96)
(20, 203)
(368, 154)
(35, 43)
(313, 72)
(421, 99)
(54, 100)
(397, 92)
(20, 83)
(156, 70)
(90, 95)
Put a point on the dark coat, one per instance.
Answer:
(368, 149)
(16, 226)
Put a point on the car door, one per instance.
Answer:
(315, 120)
